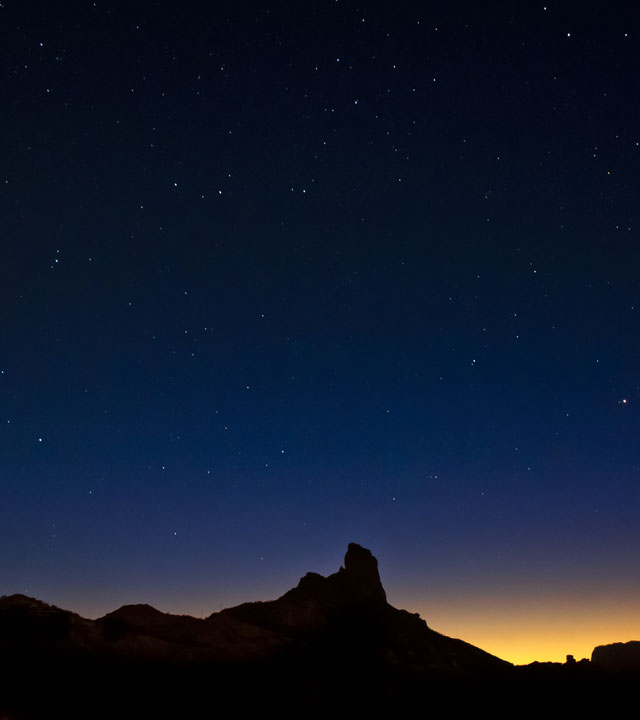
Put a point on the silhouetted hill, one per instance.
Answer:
(618, 657)
(331, 644)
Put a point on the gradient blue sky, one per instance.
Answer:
(280, 277)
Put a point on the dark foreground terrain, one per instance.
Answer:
(329, 647)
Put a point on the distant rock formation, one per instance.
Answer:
(618, 657)
(360, 575)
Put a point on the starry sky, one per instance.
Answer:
(278, 277)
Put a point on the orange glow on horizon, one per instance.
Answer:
(523, 630)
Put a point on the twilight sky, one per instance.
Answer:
(277, 277)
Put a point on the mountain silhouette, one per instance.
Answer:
(618, 657)
(344, 612)
(330, 642)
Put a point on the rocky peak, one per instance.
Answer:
(360, 574)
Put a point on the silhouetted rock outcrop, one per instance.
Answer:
(618, 657)
(360, 577)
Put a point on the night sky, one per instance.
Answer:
(278, 277)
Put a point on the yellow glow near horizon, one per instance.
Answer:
(524, 630)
